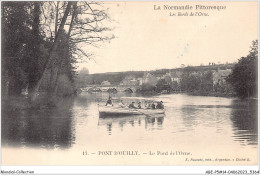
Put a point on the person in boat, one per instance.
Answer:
(122, 104)
(109, 101)
(153, 106)
(148, 106)
(160, 105)
(132, 105)
(139, 105)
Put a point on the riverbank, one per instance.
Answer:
(13, 103)
(194, 93)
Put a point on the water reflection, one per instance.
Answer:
(189, 115)
(150, 122)
(244, 120)
(154, 122)
(45, 128)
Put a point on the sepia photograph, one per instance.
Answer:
(157, 83)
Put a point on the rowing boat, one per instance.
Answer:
(125, 111)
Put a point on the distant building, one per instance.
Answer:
(219, 76)
(129, 81)
(105, 83)
(159, 77)
(140, 81)
(168, 78)
(219, 80)
(176, 76)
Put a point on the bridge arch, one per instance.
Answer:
(112, 90)
(128, 90)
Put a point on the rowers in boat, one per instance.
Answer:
(123, 110)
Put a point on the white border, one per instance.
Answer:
(127, 169)
(134, 169)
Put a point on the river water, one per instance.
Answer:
(213, 126)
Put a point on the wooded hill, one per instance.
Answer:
(116, 77)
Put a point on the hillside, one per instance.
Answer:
(116, 77)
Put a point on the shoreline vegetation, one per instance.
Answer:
(194, 93)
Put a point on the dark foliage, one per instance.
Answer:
(194, 81)
(16, 35)
(244, 74)
(25, 50)
(163, 85)
(146, 89)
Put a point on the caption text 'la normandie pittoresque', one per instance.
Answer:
(189, 7)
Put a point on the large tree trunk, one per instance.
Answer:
(53, 77)
(57, 78)
(34, 52)
(56, 19)
(61, 62)
(34, 94)
(72, 18)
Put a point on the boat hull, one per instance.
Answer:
(119, 111)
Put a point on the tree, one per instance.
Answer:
(206, 84)
(82, 77)
(33, 95)
(81, 22)
(84, 71)
(146, 89)
(244, 74)
(42, 41)
(34, 53)
(162, 85)
(84, 25)
(16, 38)
(196, 81)
(190, 79)
(175, 86)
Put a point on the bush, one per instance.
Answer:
(146, 89)
(65, 86)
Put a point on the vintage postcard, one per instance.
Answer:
(129, 83)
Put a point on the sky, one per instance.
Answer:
(148, 39)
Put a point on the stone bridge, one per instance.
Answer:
(119, 88)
